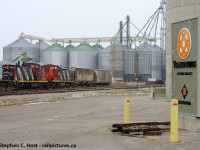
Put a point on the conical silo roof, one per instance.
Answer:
(56, 47)
(98, 47)
(42, 44)
(157, 48)
(145, 47)
(70, 47)
(21, 43)
(85, 47)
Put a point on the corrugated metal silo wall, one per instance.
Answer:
(129, 65)
(116, 62)
(156, 65)
(177, 10)
(55, 57)
(144, 65)
(60, 58)
(83, 59)
(103, 60)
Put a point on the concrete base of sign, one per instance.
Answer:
(190, 123)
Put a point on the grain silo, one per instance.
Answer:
(156, 62)
(55, 54)
(103, 58)
(41, 45)
(144, 61)
(116, 62)
(83, 56)
(129, 64)
(20, 50)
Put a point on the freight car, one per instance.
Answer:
(102, 77)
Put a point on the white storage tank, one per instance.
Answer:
(83, 56)
(20, 50)
(55, 54)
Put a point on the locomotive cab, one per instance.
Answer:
(9, 72)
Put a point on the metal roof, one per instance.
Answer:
(55, 47)
(21, 43)
(98, 47)
(70, 47)
(157, 48)
(43, 45)
(85, 47)
(145, 47)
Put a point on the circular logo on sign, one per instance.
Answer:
(184, 43)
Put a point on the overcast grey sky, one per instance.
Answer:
(69, 18)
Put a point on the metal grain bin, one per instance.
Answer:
(116, 62)
(83, 56)
(55, 54)
(103, 58)
(20, 50)
(103, 77)
(41, 45)
(144, 61)
(129, 65)
(156, 62)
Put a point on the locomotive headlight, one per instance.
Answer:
(7, 67)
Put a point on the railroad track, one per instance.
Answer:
(8, 92)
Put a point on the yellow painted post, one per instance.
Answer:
(126, 111)
(174, 121)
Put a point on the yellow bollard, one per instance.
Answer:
(174, 121)
(126, 111)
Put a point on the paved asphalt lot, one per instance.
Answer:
(86, 123)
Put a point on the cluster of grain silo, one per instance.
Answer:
(83, 56)
(143, 62)
(20, 50)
